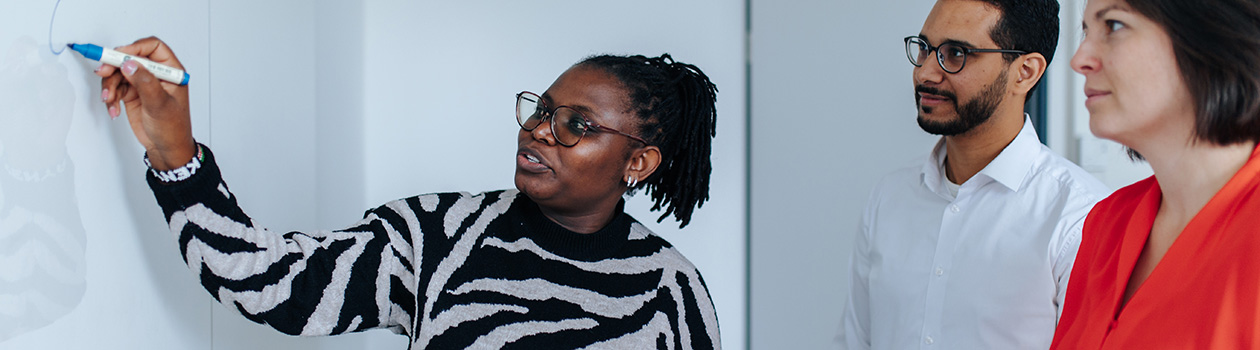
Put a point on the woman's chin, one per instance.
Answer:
(521, 184)
(1103, 128)
(530, 187)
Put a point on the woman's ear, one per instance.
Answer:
(643, 162)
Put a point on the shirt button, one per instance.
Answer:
(928, 340)
(954, 208)
(940, 271)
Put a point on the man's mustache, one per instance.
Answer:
(934, 91)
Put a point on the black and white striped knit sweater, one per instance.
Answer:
(449, 270)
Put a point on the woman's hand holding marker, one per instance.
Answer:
(157, 111)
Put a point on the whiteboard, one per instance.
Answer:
(85, 260)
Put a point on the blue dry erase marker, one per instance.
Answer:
(116, 59)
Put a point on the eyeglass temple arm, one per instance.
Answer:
(608, 129)
(998, 50)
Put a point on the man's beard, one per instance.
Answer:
(970, 114)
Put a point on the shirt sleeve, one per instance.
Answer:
(1064, 259)
(855, 333)
(300, 283)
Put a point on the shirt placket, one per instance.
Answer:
(938, 275)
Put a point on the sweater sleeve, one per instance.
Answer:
(701, 315)
(300, 283)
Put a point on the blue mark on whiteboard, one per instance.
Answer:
(52, 48)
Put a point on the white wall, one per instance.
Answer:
(833, 110)
(441, 80)
(286, 127)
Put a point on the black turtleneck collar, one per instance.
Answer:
(551, 236)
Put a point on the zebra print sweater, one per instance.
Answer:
(449, 270)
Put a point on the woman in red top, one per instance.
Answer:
(1173, 261)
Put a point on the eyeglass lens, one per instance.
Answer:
(567, 125)
(951, 57)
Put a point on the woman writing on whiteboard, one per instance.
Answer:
(553, 264)
(1171, 262)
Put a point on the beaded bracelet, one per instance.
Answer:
(180, 173)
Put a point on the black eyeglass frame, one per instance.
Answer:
(941, 59)
(550, 113)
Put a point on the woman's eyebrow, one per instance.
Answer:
(1099, 15)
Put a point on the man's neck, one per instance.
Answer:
(968, 153)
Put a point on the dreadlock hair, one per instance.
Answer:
(676, 105)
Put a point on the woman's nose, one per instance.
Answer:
(542, 132)
(1084, 61)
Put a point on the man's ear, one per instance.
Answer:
(1028, 71)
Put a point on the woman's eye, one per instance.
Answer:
(578, 126)
(1113, 25)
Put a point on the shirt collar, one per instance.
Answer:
(1010, 167)
(933, 173)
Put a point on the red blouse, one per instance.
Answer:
(1203, 294)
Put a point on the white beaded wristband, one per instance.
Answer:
(180, 173)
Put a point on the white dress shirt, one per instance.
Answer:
(984, 269)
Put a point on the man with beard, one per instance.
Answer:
(972, 250)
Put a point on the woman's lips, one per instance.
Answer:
(1093, 95)
(530, 162)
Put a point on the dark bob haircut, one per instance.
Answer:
(1217, 48)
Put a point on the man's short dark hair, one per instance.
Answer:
(1027, 25)
(1217, 45)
